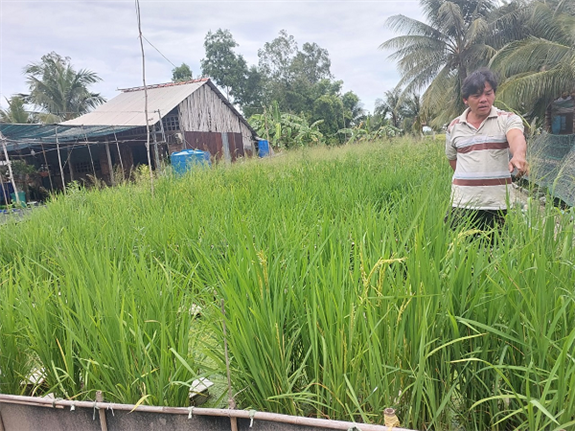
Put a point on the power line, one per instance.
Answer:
(167, 59)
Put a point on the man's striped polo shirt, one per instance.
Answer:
(482, 174)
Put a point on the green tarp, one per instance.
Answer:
(22, 136)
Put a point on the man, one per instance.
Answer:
(478, 144)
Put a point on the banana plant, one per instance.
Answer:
(285, 130)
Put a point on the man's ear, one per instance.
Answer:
(465, 101)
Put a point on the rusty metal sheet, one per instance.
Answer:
(206, 141)
(236, 145)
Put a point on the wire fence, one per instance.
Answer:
(552, 159)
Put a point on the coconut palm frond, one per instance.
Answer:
(452, 20)
(525, 90)
(509, 23)
(16, 111)
(402, 23)
(530, 55)
(478, 30)
(547, 24)
(442, 101)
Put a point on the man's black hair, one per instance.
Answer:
(475, 83)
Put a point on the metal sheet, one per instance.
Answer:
(25, 413)
(33, 418)
(127, 109)
(205, 141)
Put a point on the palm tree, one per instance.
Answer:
(537, 69)
(391, 105)
(460, 37)
(15, 113)
(56, 88)
(411, 112)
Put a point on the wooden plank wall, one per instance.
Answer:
(204, 111)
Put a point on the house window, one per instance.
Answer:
(562, 124)
(86, 167)
(171, 123)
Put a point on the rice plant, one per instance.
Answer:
(344, 293)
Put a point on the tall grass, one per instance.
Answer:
(345, 293)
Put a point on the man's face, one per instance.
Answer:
(480, 104)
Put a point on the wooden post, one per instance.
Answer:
(1, 423)
(69, 162)
(102, 413)
(156, 152)
(267, 130)
(110, 167)
(10, 173)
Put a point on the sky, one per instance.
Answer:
(102, 36)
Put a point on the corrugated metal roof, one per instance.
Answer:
(127, 109)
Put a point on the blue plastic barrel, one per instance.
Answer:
(183, 161)
(263, 148)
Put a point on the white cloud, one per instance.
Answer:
(102, 36)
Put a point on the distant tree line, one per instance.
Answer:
(287, 80)
(292, 98)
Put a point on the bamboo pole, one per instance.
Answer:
(164, 139)
(119, 154)
(145, 97)
(47, 167)
(10, 173)
(90, 152)
(390, 418)
(3, 191)
(60, 160)
(198, 411)
(231, 401)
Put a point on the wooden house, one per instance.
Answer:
(113, 137)
(560, 115)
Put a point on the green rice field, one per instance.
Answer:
(344, 293)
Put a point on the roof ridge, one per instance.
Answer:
(163, 85)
